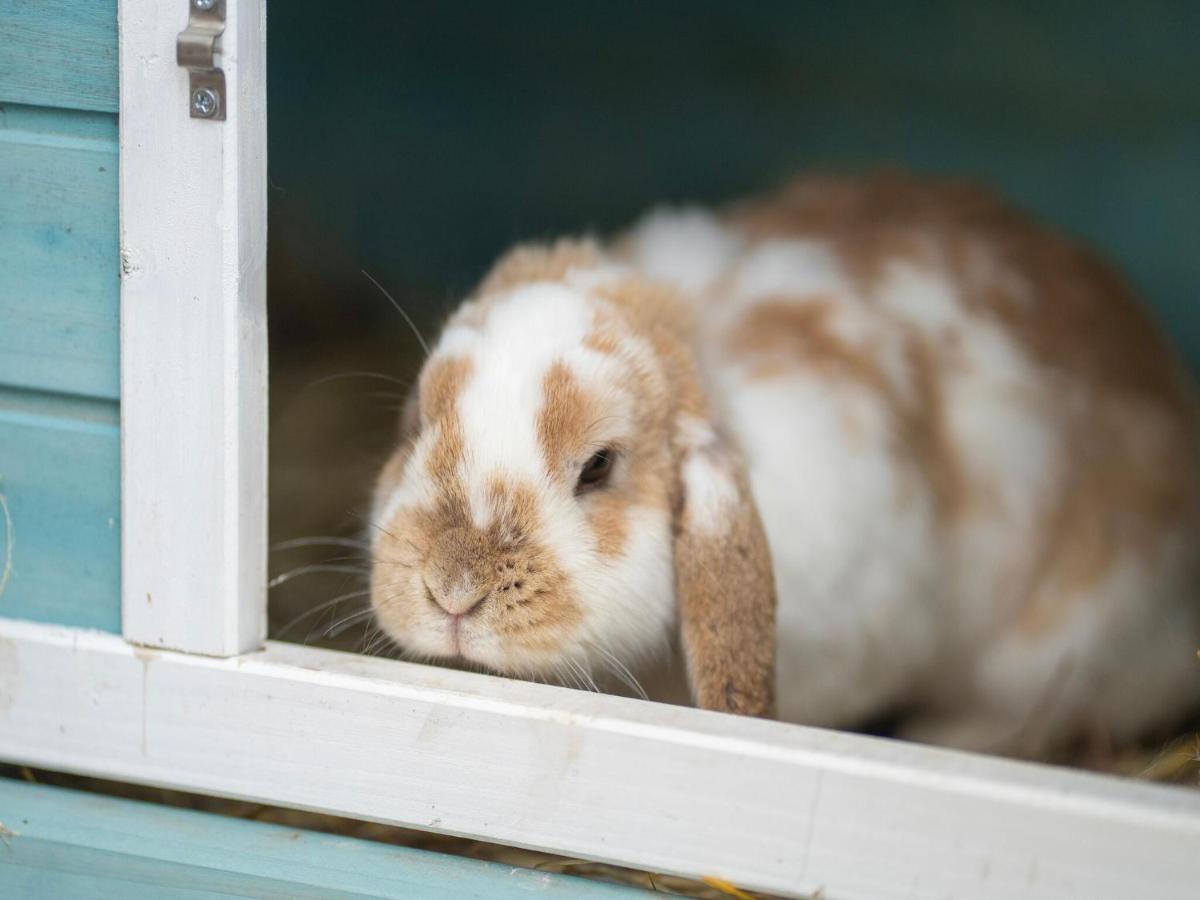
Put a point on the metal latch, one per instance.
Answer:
(195, 49)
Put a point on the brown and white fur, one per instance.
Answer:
(974, 458)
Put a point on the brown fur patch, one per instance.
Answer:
(610, 524)
(567, 412)
(657, 314)
(441, 383)
(440, 387)
(925, 431)
(533, 263)
(784, 334)
(603, 339)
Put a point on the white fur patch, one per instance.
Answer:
(686, 247)
(710, 493)
(525, 333)
(630, 599)
(791, 268)
(922, 297)
(852, 556)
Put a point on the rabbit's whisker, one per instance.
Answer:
(314, 569)
(621, 671)
(399, 309)
(320, 607)
(319, 541)
(346, 622)
(356, 374)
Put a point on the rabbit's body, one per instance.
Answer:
(948, 436)
(975, 460)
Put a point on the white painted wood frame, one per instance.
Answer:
(193, 338)
(763, 804)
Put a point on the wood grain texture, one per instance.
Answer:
(193, 339)
(59, 251)
(59, 53)
(670, 789)
(60, 541)
(73, 844)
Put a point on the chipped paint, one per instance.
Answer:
(128, 266)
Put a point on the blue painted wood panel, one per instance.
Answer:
(59, 53)
(59, 313)
(60, 527)
(59, 251)
(72, 844)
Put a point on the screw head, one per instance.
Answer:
(205, 102)
(204, 5)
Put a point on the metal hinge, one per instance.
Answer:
(195, 49)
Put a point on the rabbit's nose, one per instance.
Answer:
(458, 599)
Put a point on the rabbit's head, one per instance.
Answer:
(563, 497)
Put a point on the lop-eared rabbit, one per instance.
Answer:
(866, 446)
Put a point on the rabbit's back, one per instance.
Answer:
(975, 456)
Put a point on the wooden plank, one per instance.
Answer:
(193, 339)
(59, 53)
(762, 804)
(59, 251)
(73, 844)
(60, 528)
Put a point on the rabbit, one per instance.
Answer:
(868, 446)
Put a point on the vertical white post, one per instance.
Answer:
(193, 337)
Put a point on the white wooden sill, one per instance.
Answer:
(765, 805)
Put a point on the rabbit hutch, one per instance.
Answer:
(139, 495)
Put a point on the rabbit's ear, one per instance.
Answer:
(723, 578)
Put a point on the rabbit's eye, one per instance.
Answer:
(596, 470)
